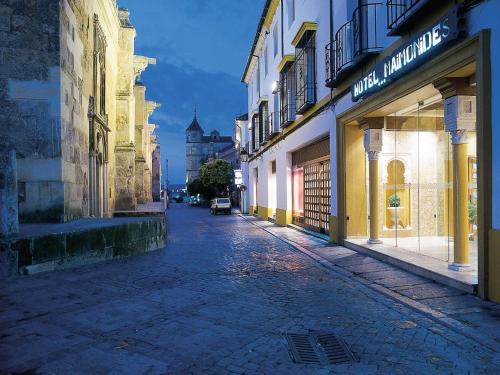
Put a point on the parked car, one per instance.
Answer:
(220, 205)
(194, 201)
(177, 198)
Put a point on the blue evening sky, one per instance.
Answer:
(201, 47)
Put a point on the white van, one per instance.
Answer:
(220, 205)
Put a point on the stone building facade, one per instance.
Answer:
(72, 110)
(156, 160)
(200, 148)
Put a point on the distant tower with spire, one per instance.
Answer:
(200, 147)
(194, 149)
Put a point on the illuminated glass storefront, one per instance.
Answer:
(411, 151)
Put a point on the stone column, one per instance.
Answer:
(105, 191)
(459, 119)
(9, 218)
(373, 146)
(92, 179)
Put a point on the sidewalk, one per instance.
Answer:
(457, 310)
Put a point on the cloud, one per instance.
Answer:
(201, 47)
(218, 97)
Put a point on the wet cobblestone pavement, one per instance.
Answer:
(218, 299)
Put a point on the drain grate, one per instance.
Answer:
(302, 348)
(321, 348)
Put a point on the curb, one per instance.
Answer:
(430, 313)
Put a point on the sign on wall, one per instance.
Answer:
(409, 56)
(238, 177)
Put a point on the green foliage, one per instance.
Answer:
(216, 176)
(394, 201)
(472, 211)
(195, 187)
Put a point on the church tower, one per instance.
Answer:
(194, 149)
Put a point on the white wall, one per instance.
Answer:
(317, 128)
(305, 11)
(485, 16)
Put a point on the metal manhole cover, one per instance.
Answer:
(320, 348)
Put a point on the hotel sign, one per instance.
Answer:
(409, 56)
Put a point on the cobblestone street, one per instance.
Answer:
(219, 299)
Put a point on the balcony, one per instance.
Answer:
(354, 42)
(287, 116)
(265, 130)
(401, 12)
(273, 126)
(254, 134)
(263, 119)
(287, 97)
(305, 74)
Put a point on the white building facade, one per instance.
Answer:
(374, 122)
(241, 145)
(289, 115)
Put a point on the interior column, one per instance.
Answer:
(373, 146)
(460, 200)
(460, 118)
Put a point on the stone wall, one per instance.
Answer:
(48, 96)
(85, 242)
(76, 90)
(9, 223)
(30, 100)
(156, 180)
(143, 151)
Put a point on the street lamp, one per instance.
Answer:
(244, 156)
(274, 87)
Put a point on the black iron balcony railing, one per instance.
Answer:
(263, 121)
(255, 133)
(400, 11)
(274, 128)
(243, 148)
(287, 116)
(287, 97)
(265, 129)
(357, 39)
(305, 75)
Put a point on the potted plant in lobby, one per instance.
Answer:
(472, 219)
(395, 210)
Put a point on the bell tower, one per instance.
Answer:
(194, 152)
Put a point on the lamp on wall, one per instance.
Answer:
(275, 86)
(244, 156)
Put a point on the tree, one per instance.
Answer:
(195, 187)
(216, 176)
